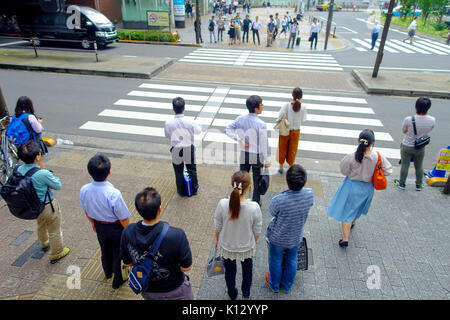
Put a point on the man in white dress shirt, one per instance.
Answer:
(181, 134)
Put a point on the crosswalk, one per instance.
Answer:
(263, 59)
(420, 46)
(332, 125)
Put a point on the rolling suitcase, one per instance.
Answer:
(187, 183)
(297, 42)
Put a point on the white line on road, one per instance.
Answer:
(349, 29)
(167, 95)
(434, 45)
(12, 43)
(203, 61)
(360, 49)
(411, 47)
(429, 48)
(123, 128)
(290, 66)
(393, 68)
(177, 88)
(154, 105)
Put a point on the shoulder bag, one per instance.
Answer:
(421, 142)
(378, 179)
(282, 125)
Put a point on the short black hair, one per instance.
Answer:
(178, 105)
(423, 104)
(147, 203)
(296, 177)
(29, 151)
(252, 103)
(99, 167)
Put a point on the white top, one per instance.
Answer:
(363, 171)
(413, 25)
(294, 28)
(256, 25)
(315, 27)
(239, 234)
(181, 131)
(294, 118)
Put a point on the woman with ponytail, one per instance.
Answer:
(238, 223)
(355, 194)
(295, 113)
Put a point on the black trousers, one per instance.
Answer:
(257, 34)
(184, 156)
(243, 35)
(252, 161)
(230, 277)
(108, 236)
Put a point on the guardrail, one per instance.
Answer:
(38, 40)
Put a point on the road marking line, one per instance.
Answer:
(292, 59)
(297, 63)
(266, 52)
(177, 88)
(287, 66)
(433, 45)
(360, 49)
(348, 29)
(123, 128)
(308, 145)
(411, 47)
(149, 116)
(344, 120)
(209, 57)
(202, 61)
(289, 96)
(154, 105)
(429, 48)
(393, 45)
(13, 43)
(377, 45)
(167, 95)
(242, 59)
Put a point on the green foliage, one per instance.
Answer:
(440, 26)
(141, 35)
(432, 27)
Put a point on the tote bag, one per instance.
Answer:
(378, 178)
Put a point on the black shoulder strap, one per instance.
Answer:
(414, 125)
(27, 124)
(32, 171)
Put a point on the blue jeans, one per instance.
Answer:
(374, 39)
(278, 276)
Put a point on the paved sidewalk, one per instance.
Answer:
(188, 34)
(406, 236)
(435, 85)
(83, 63)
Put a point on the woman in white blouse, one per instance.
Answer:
(355, 194)
(238, 224)
(295, 113)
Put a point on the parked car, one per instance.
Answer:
(324, 7)
(53, 26)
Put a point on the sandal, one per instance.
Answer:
(343, 244)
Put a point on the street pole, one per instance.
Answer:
(383, 39)
(330, 18)
(197, 21)
(3, 109)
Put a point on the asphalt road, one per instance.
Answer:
(67, 102)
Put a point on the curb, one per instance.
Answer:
(117, 74)
(181, 44)
(397, 91)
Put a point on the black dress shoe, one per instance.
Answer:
(343, 244)
(118, 284)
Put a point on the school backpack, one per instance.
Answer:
(21, 197)
(139, 277)
(211, 25)
(19, 129)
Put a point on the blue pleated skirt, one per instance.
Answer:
(351, 200)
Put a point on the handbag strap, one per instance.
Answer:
(414, 125)
(378, 165)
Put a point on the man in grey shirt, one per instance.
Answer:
(424, 124)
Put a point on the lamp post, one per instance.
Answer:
(330, 18)
(383, 39)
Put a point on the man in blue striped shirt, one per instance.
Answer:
(285, 232)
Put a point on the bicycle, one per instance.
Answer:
(9, 154)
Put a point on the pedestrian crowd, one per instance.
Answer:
(237, 219)
(238, 28)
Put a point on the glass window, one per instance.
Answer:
(96, 17)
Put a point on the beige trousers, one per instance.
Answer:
(49, 229)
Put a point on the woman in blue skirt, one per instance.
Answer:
(354, 196)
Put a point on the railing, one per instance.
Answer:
(38, 40)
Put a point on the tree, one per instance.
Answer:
(439, 8)
(406, 7)
(427, 7)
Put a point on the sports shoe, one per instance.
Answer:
(419, 187)
(64, 253)
(400, 186)
(267, 277)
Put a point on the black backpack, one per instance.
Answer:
(21, 197)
